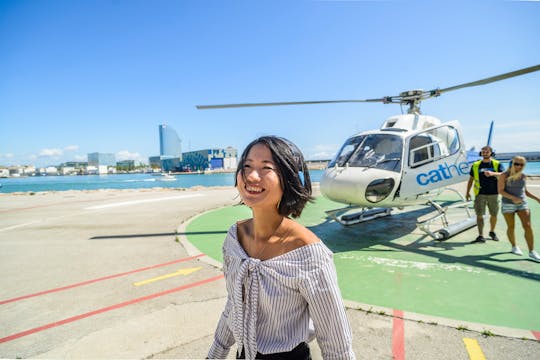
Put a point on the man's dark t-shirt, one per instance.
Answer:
(488, 185)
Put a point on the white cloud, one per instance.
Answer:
(321, 152)
(80, 157)
(127, 155)
(50, 152)
(6, 156)
(71, 148)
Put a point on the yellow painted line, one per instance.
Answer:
(166, 276)
(474, 350)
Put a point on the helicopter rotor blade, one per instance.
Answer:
(491, 79)
(224, 106)
(411, 97)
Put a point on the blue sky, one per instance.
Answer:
(85, 76)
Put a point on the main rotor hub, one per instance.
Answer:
(413, 99)
(412, 94)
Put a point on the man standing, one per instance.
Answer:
(485, 192)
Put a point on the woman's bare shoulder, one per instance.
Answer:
(301, 236)
(243, 230)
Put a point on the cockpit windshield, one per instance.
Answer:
(381, 151)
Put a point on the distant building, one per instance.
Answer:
(155, 162)
(125, 165)
(97, 159)
(102, 162)
(212, 159)
(171, 158)
(73, 167)
(75, 164)
(170, 145)
(171, 164)
(170, 151)
(529, 155)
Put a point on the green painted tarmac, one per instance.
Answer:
(389, 262)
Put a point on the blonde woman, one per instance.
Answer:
(513, 188)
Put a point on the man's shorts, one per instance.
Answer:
(510, 208)
(491, 201)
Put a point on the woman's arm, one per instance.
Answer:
(223, 336)
(531, 195)
(327, 311)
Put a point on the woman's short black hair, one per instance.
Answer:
(291, 169)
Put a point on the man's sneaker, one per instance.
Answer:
(493, 236)
(516, 250)
(534, 255)
(479, 239)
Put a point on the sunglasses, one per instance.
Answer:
(519, 164)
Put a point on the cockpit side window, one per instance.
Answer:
(433, 145)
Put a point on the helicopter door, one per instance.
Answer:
(435, 158)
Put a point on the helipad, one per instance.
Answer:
(388, 262)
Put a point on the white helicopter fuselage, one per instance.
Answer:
(411, 159)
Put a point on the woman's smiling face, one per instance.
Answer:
(258, 181)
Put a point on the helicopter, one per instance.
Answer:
(410, 160)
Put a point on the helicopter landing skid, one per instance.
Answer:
(449, 229)
(343, 216)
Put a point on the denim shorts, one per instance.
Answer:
(510, 208)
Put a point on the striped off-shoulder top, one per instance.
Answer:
(275, 304)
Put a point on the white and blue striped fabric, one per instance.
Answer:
(273, 305)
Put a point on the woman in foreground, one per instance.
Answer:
(281, 280)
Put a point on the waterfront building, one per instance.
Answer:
(125, 165)
(29, 170)
(67, 170)
(173, 164)
(155, 162)
(97, 159)
(102, 162)
(170, 151)
(75, 164)
(211, 159)
(529, 155)
(170, 145)
(73, 167)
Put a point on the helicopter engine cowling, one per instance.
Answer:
(362, 186)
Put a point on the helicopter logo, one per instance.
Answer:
(410, 160)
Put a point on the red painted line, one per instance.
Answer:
(108, 308)
(536, 334)
(398, 336)
(98, 279)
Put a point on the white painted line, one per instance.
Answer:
(18, 226)
(126, 203)
(421, 265)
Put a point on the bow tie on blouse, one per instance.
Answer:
(246, 301)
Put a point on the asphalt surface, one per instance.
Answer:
(108, 274)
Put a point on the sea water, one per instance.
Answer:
(119, 181)
(142, 181)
